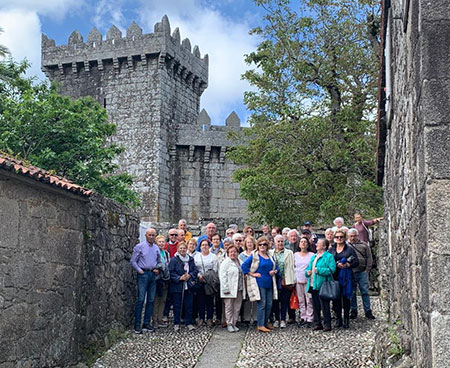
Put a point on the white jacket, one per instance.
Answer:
(289, 270)
(229, 278)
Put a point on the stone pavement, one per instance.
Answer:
(290, 347)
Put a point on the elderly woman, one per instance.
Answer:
(320, 268)
(261, 284)
(205, 261)
(248, 230)
(329, 235)
(215, 244)
(346, 259)
(232, 288)
(162, 285)
(191, 245)
(284, 258)
(183, 275)
(301, 262)
(249, 308)
(339, 225)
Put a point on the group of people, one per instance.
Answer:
(209, 280)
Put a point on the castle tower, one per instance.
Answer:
(149, 84)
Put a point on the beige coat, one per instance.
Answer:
(251, 283)
(229, 279)
(289, 270)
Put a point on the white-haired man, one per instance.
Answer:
(182, 225)
(361, 274)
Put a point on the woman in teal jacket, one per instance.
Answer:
(320, 268)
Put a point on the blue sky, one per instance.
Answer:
(219, 28)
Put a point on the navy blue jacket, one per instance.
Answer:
(176, 269)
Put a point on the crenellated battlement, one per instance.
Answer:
(131, 51)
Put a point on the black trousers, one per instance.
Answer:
(343, 301)
(318, 306)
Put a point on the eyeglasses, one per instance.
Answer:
(173, 234)
(263, 244)
(238, 240)
(339, 237)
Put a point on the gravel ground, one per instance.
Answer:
(162, 348)
(289, 347)
(302, 347)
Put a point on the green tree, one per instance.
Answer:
(3, 49)
(67, 137)
(310, 148)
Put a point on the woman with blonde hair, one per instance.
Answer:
(249, 307)
(162, 285)
(261, 284)
(232, 288)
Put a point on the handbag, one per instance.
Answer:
(293, 301)
(330, 290)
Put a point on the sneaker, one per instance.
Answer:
(190, 327)
(283, 324)
(230, 328)
(200, 323)
(235, 328)
(138, 331)
(369, 315)
(276, 324)
(209, 323)
(353, 314)
(148, 328)
(270, 326)
(176, 328)
(165, 319)
(163, 325)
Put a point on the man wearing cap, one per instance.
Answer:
(308, 226)
(146, 260)
(172, 244)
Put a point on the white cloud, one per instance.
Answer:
(109, 12)
(56, 9)
(225, 40)
(22, 36)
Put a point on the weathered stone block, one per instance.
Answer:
(437, 154)
(440, 335)
(438, 215)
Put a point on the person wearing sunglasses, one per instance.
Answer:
(172, 243)
(346, 259)
(261, 270)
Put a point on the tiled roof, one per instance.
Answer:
(43, 176)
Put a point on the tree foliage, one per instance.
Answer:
(67, 137)
(310, 152)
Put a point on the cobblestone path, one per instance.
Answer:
(289, 347)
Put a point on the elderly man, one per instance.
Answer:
(211, 229)
(146, 260)
(293, 238)
(172, 244)
(182, 225)
(181, 235)
(361, 274)
(363, 226)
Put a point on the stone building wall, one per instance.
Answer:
(65, 277)
(415, 258)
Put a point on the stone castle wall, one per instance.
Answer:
(415, 258)
(65, 277)
(150, 85)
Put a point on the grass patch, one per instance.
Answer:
(96, 349)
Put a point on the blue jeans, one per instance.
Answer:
(361, 279)
(264, 306)
(146, 285)
(186, 300)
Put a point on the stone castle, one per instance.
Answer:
(150, 85)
